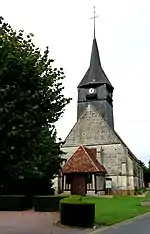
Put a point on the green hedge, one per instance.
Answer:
(13, 203)
(47, 203)
(77, 212)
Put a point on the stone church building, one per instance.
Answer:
(94, 132)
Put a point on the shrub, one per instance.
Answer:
(13, 203)
(139, 191)
(47, 203)
(74, 211)
(144, 189)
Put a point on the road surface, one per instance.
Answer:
(139, 225)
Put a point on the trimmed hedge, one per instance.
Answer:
(13, 203)
(47, 203)
(76, 212)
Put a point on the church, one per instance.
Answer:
(93, 148)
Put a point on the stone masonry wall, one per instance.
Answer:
(90, 129)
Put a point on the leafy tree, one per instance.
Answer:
(142, 165)
(31, 101)
(146, 172)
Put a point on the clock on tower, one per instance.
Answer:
(91, 90)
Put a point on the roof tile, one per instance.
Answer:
(83, 161)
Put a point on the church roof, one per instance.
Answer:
(95, 74)
(83, 161)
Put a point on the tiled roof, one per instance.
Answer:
(83, 161)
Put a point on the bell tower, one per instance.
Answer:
(95, 88)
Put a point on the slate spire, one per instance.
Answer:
(95, 74)
(95, 89)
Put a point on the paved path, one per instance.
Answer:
(138, 226)
(30, 222)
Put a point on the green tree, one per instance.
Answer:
(146, 172)
(142, 164)
(31, 101)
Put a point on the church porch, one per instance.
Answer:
(83, 174)
(83, 183)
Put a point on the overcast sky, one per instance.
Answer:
(123, 37)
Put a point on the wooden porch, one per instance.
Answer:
(82, 173)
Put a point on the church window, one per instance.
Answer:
(134, 169)
(123, 168)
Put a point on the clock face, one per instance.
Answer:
(91, 90)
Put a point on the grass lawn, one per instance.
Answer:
(113, 210)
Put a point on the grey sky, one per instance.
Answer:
(123, 37)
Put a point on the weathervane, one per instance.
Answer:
(94, 20)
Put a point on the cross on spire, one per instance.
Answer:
(94, 17)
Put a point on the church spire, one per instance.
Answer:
(95, 74)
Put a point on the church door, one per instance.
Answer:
(78, 185)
